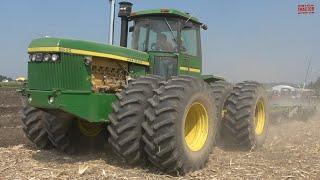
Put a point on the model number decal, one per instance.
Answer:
(65, 50)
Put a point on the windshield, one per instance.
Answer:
(155, 34)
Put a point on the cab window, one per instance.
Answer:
(156, 34)
(139, 39)
(190, 41)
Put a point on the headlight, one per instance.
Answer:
(29, 99)
(39, 57)
(34, 57)
(88, 61)
(46, 57)
(51, 99)
(55, 57)
(30, 57)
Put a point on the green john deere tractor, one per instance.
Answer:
(149, 102)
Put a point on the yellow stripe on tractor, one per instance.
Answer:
(87, 53)
(190, 69)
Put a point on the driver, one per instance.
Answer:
(163, 44)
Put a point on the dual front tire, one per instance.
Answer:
(34, 127)
(59, 131)
(46, 131)
(172, 124)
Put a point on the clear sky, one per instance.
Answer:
(263, 40)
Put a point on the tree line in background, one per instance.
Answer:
(315, 85)
(4, 77)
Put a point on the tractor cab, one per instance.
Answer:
(171, 38)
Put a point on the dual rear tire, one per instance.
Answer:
(246, 120)
(180, 125)
(172, 124)
(127, 117)
(181, 122)
(221, 92)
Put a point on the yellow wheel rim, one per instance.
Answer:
(90, 129)
(196, 127)
(224, 112)
(260, 117)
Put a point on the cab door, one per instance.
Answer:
(190, 50)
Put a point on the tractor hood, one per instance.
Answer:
(89, 49)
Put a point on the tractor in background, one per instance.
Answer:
(150, 101)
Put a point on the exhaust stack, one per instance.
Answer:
(124, 14)
(111, 26)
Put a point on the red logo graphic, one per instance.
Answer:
(306, 8)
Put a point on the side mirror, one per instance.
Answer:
(131, 29)
(204, 27)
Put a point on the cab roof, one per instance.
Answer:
(167, 12)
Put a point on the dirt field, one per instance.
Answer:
(292, 151)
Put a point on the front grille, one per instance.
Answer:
(69, 73)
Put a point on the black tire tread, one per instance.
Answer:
(237, 123)
(159, 128)
(127, 118)
(221, 91)
(59, 133)
(33, 127)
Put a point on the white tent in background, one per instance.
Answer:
(282, 87)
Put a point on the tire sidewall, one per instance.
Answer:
(260, 95)
(190, 158)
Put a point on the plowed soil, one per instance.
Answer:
(292, 151)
